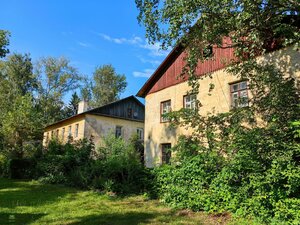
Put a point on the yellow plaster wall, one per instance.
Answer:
(80, 120)
(101, 126)
(157, 133)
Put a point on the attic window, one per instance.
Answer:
(208, 52)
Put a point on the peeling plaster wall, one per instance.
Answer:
(101, 126)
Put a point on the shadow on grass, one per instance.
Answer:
(132, 218)
(20, 193)
(18, 218)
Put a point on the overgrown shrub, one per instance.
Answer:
(258, 176)
(118, 167)
(114, 167)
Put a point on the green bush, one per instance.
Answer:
(4, 165)
(258, 176)
(118, 167)
(114, 167)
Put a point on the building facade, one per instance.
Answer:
(122, 118)
(165, 91)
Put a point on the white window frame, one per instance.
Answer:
(70, 131)
(190, 101)
(76, 130)
(165, 107)
(239, 94)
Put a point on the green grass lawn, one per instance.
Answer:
(34, 203)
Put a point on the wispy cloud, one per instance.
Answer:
(154, 50)
(145, 73)
(153, 62)
(135, 40)
(84, 44)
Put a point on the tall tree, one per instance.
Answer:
(4, 42)
(19, 118)
(19, 71)
(108, 85)
(57, 78)
(72, 108)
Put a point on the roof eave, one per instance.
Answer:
(177, 50)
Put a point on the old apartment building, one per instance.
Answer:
(122, 118)
(164, 92)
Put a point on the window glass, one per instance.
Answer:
(165, 153)
(239, 94)
(189, 101)
(70, 131)
(76, 130)
(140, 133)
(118, 131)
(165, 108)
(63, 133)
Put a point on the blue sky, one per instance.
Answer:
(88, 33)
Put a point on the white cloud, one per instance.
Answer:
(145, 73)
(135, 40)
(155, 49)
(153, 62)
(83, 44)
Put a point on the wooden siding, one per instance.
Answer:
(121, 109)
(171, 75)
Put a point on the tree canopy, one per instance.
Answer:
(251, 23)
(4, 42)
(108, 85)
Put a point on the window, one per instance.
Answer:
(118, 131)
(239, 94)
(63, 133)
(52, 134)
(165, 153)
(208, 51)
(57, 133)
(189, 101)
(165, 107)
(70, 131)
(140, 133)
(76, 130)
(47, 137)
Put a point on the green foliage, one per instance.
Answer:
(118, 167)
(57, 78)
(259, 177)
(115, 167)
(4, 42)
(108, 85)
(72, 107)
(66, 163)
